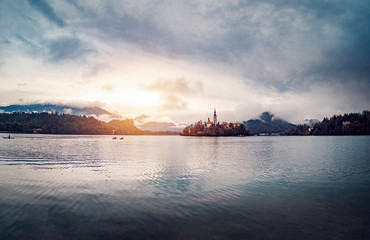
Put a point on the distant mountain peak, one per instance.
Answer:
(141, 119)
(268, 123)
(311, 122)
(267, 116)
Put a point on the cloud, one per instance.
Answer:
(6, 41)
(142, 118)
(76, 5)
(285, 44)
(47, 11)
(68, 48)
(26, 41)
(108, 88)
(172, 102)
(67, 110)
(175, 91)
(96, 68)
(179, 86)
(117, 24)
(22, 85)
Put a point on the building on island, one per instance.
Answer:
(214, 117)
(209, 123)
(215, 129)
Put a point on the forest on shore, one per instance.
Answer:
(54, 123)
(347, 124)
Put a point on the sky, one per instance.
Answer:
(178, 60)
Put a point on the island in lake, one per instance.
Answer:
(215, 128)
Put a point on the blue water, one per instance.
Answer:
(172, 187)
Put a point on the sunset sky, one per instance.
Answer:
(178, 60)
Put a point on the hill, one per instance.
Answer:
(56, 108)
(21, 122)
(268, 123)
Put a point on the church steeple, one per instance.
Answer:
(214, 117)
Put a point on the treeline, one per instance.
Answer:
(347, 124)
(68, 124)
(200, 129)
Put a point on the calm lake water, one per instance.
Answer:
(172, 187)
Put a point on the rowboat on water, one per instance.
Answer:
(115, 138)
(8, 137)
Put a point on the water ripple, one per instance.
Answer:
(90, 187)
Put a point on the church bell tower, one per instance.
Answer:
(215, 117)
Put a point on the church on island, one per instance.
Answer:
(209, 123)
(214, 128)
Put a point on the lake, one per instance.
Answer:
(172, 187)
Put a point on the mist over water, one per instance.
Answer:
(172, 187)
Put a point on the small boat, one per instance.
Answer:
(114, 138)
(121, 138)
(8, 137)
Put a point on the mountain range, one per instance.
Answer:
(265, 123)
(160, 126)
(144, 122)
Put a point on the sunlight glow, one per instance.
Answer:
(139, 98)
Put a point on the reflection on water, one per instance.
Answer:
(171, 187)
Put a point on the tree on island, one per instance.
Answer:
(229, 129)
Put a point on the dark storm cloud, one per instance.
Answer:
(286, 45)
(47, 11)
(120, 26)
(350, 59)
(351, 54)
(25, 34)
(346, 58)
